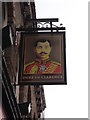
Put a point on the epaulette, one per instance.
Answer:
(54, 62)
(28, 65)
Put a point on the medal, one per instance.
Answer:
(42, 68)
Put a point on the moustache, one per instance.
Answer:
(43, 53)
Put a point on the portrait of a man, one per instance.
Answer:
(42, 58)
(43, 64)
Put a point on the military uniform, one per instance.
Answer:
(43, 67)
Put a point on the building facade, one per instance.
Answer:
(18, 98)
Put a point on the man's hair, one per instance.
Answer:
(42, 40)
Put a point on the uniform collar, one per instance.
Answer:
(42, 61)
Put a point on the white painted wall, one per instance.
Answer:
(69, 101)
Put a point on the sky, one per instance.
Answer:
(71, 100)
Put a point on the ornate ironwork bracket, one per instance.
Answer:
(43, 25)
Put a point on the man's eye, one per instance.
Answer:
(46, 47)
(40, 47)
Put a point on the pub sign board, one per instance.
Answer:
(42, 58)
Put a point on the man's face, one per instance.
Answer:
(43, 49)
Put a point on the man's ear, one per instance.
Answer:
(50, 49)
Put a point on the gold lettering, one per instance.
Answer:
(55, 76)
(38, 77)
(58, 76)
(41, 77)
(47, 77)
(52, 76)
(44, 76)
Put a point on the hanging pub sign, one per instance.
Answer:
(42, 58)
